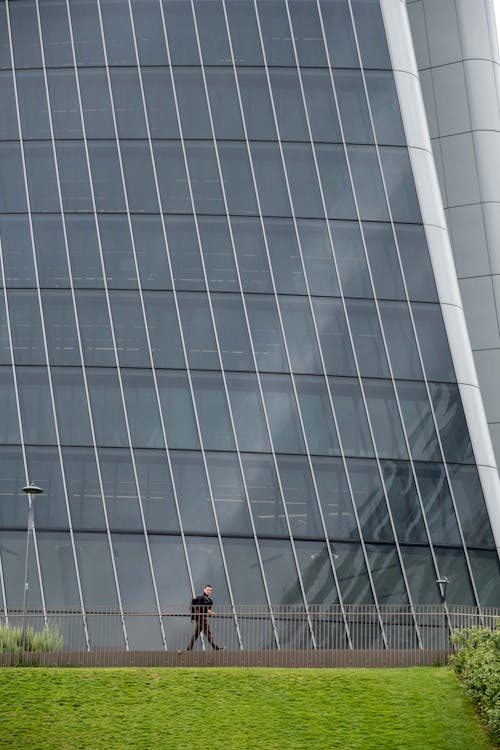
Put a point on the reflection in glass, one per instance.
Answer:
(300, 496)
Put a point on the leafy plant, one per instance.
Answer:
(477, 662)
(47, 639)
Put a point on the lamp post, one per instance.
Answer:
(31, 490)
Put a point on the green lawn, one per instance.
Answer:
(236, 709)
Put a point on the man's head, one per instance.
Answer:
(207, 590)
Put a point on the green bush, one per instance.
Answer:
(47, 639)
(477, 662)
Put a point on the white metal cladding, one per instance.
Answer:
(404, 63)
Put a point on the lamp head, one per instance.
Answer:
(32, 489)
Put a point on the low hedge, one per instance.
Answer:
(477, 663)
(47, 639)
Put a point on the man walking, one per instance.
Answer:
(201, 609)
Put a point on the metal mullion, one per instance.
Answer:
(143, 309)
(314, 322)
(233, 247)
(389, 511)
(59, 192)
(4, 595)
(379, 161)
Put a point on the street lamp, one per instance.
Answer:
(31, 490)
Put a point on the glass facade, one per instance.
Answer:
(222, 353)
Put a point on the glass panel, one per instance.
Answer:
(385, 108)
(50, 245)
(65, 107)
(303, 180)
(452, 565)
(281, 572)
(120, 489)
(370, 500)
(106, 176)
(336, 182)
(317, 416)
(334, 337)
(300, 498)
(205, 178)
(418, 421)
(181, 34)
(353, 106)
(9, 427)
(95, 328)
(149, 33)
(386, 573)
(41, 176)
(192, 101)
(127, 103)
(316, 572)
(198, 331)
(270, 179)
(25, 38)
(471, 508)
(163, 329)
(486, 571)
(218, 253)
(36, 405)
(224, 103)
(193, 492)
(248, 414)
(349, 252)
(96, 103)
(184, 252)
(335, 498)
(371, 34)
(136, 585)
(256, 103)
(276, 33)
(385, 420)
(368, 183)
(437, 503)
(5, 357)
(84, 18)
(56, 34)
(433, 342)
(84, 492)
(282, 414)
(367, 337)
(404, 502)
(228, 493)
(244, 33)
(96, 573)
(232, 332)
(117, 251)
(86, 267)
(421, 575)
(251, 255)
(318, 258)
(288, 104)
(172, 177)
(321, 107)
(212, 30)
(300, 334)
(339, 34)
(352, 574)
(26, 328)
(307, 33)
(400, 340)
(151, 252)
(57, 565)
(211, 406)
(107, 407)
(451, 423)
(285, 257)
(33, 108)
(246, 578)
(156, 491)
(160, 104)
(142, 409)
(238, 182)
(177, 408)
(172, 581)
(44, 468)
(60, 328)
(264, 494)
(129, 330)
(351, 416)
(139, 177)
(16, 249)
(12, 193)
(117, 33)
(71, 406)
(384, 261)
(400, 185)
(416, 263)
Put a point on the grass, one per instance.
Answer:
(236, 709)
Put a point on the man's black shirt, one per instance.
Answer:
(202, 604)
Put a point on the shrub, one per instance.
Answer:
(477, 662)
(47, 639)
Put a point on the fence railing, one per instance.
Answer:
(321, 635)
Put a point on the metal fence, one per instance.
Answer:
(248, 635)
